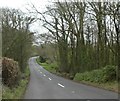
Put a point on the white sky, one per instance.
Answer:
(23, 4)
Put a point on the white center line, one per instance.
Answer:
(41, 72)
(44, 75)
(61, 85)
(49, 78)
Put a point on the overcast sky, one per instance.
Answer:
(23, 4)
(39, 4)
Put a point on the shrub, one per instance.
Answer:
(10, 72)
(108, 73)
(42, 59)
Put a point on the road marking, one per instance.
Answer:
(44, 75)
(61, 85)
(49, 78)
(41, 72)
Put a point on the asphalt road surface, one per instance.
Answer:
(44, 85)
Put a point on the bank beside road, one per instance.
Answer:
(18, 91)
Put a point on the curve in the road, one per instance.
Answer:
(44, 85)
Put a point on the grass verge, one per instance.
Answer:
(19, 90)
(49, 67)
(111, 86)
(103, 78)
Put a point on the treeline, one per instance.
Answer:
(87, 34)
(16, 36)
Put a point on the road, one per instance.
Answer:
(44, 85)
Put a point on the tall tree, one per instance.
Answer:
(16, 37)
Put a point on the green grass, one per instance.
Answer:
(103, 78)
(37, 60)
(102, 75)
(51, 67)
(112, 86)
(19, 90)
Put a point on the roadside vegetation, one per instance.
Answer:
(51, 67)
(102, 75)
(16, 50)
(18, 91)
(105, 78)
